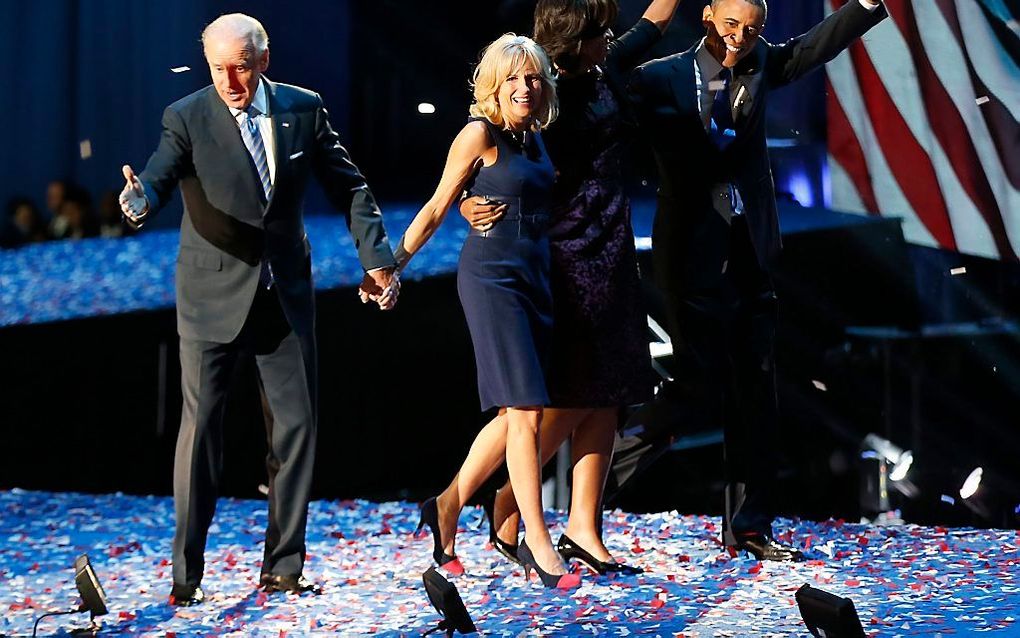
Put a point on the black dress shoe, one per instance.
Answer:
(294, 584)
(568, 549)
(506, 549)
(765, 547)
(186, 595)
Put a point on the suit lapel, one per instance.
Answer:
(227, 134)
(285, 124)
(747, 82)
(685, 92)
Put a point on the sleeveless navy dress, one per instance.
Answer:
(503, 275)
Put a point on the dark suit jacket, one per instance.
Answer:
(228, 227)
(665, 99)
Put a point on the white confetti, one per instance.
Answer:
(962, 270)
(821, 386)
(85, 149)
(982, 100)
(180, 69)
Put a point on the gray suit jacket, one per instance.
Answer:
(228, 227)
(664, 95)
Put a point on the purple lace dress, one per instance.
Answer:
(600, 344)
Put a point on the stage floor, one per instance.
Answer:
(905, 581)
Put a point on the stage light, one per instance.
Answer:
(971, 485)
(899, 471)
(828, 615)
(444, 597)
(426, 108)
(899, 462)
(93, 598)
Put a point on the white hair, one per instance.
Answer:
(240, 26)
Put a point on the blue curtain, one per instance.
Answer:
(99, 71)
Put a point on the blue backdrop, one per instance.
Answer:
(99, 70)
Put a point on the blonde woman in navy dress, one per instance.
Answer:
(503, 282)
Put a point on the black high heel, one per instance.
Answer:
(568, 549)
(506, 549)
(563, 581)
(430, 517)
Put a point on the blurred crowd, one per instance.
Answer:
(70, 214)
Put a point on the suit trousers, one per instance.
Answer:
(722, 326)
(286, 367)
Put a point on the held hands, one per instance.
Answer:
(382, 286)
(481, 213)
(133, 202)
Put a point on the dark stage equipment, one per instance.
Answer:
(93, 598)
(444, 597)
(827, 615)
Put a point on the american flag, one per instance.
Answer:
(922, 118)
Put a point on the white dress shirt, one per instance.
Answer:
(261, 103)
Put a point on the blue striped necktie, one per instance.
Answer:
(253, 142)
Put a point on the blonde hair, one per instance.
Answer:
(501, 59)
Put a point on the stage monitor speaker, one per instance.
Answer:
(827, 615)
(93, 597)
(444, 597)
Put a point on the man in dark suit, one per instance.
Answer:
(716, 233)
(242, 151)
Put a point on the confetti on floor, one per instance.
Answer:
(904, 580)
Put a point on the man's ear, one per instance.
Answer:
(263, 62)
(706, 15)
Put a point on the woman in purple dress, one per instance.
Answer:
(600, 359)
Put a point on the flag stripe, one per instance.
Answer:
(846, 149)
(907, 160)
(949, 128)
(1000, 119)
(922, 123)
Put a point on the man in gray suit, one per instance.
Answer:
(242, 151)
(716, 236)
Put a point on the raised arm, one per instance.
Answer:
(631, 48)
(827, 39)
(464, 158)
(660, 13)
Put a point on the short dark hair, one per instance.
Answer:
(561, 25)
(761, 4)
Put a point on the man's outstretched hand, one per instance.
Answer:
(133, 202)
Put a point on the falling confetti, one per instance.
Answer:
(180, 69)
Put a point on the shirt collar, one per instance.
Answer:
(261, 101)
(707, 65)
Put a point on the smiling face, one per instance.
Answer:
(732, 29)
(520, 96)
(235, 68)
